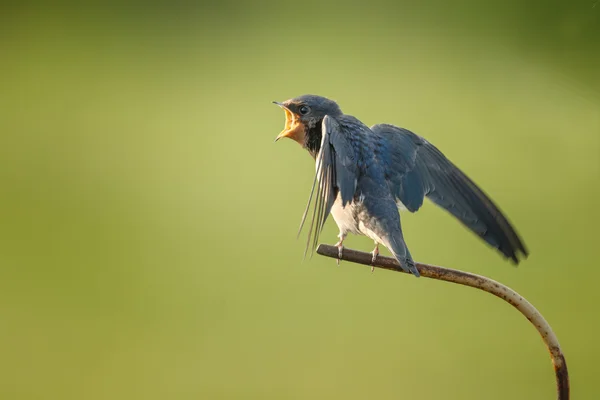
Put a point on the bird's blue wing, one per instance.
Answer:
(415, 169)
(336, 172)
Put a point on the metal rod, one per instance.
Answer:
(478, 282)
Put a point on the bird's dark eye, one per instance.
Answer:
(304, 110)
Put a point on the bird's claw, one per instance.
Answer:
(340, 247)
(340, 253)
(374, 258)
(375, 253)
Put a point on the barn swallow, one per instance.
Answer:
(364, 175)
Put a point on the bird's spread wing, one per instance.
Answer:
(336, 172)
(415, 168)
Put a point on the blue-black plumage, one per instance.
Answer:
(363, 174)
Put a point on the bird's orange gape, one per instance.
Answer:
(294, 128)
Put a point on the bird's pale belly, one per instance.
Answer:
(348, 219)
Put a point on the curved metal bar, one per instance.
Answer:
(478, 282)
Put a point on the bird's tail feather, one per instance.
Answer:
(400, 252)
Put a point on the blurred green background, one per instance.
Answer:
(148, 221)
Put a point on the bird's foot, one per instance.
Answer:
(375, 253)
(340, 246)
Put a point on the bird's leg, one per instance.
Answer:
(375, 253)
(340, 246)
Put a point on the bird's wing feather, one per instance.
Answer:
(336, 172)
(415, 169)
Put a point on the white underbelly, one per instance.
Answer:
(369, 233)
(346, 219)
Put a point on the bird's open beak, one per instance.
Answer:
(294, 129)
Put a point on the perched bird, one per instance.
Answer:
(363, 175)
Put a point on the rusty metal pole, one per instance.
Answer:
(478, 282)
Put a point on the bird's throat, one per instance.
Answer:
(313, 139)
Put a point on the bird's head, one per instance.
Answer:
(303, 117)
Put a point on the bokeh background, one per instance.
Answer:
(148, 221)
